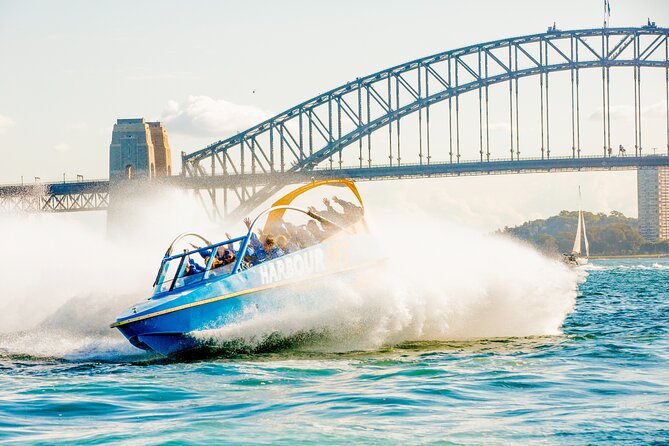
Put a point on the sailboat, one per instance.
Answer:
(574, 258)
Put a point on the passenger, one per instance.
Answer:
(352, 213)
(229, 247)
(266, 250)
(315, 231)
(228, 257)
(206, 254)
(272, 251)
(277, 227)
(331, 214)
(248, 261)
(216, 263)
(302, 236)
(192, 268)
(286, 245)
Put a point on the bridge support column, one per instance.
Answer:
(139, 154)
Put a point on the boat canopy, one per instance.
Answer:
(277, 214)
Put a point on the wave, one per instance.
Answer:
(609, 267)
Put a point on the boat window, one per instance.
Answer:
(187, 280)
(176, 274)
(167, 275)
(220, 271)
(190, 267)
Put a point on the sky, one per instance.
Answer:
(208, 69)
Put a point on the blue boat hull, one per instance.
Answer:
(166, 323)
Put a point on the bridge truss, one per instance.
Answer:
(339, 131)
(56, 197)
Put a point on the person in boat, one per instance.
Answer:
(206, 254)
(287, 245)
(300, 235)
(352, 213)
(249, 257)
(265, 250)
(316, 232)
(216, 263)
(331, 213)
(192, 268)
(228, 257)
(297, 237)
(569, 258)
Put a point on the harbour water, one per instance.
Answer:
(603, 380)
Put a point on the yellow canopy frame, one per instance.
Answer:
(277, 214)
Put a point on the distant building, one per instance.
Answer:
(161, 149)
(139, 149)
(653, 199)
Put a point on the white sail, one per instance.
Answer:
(580, 229)
(585, 237)
(577, 241)
(575, 259)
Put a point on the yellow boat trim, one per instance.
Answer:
(228, 296)
(288, 198)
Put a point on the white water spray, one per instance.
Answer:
(442, 282)
(64, 283)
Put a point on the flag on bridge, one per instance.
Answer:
(607, 12)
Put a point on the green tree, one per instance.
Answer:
(612, 234)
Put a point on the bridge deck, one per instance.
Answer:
(94, 195)
(430, 170)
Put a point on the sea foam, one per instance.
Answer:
(64, 282)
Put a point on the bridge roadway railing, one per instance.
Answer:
(465, 168)
(95, 195)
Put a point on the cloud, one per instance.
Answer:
(169, 76)
(204, 116)
(79, 125)
(62, 147)
(626, 112)
(500, 127)
(618, 112)
(656, 110)
(6, 123)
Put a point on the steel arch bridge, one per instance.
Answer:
(321, 136)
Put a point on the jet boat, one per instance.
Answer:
(188, 299)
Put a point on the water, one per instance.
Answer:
(603, 380)
(463, 338)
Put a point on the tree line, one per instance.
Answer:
(612, 234)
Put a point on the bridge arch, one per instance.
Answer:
(302, 138)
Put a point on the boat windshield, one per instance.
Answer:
(196, 265)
